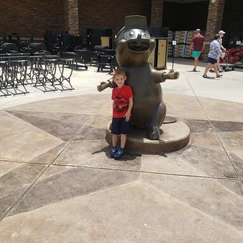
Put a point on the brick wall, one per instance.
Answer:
(29, 17)
(109, 14)
(156, 12)
(71, 9)
(215, 18)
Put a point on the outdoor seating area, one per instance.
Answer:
(48, 65)
(95, 49)
(40, 70)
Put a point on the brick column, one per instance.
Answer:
(214, 21)
(71, 16)
(156, 12)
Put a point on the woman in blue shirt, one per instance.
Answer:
(214, 52)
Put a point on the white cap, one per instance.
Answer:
(221, 32)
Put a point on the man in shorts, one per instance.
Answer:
(198, 43)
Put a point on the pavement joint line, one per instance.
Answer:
(24, 192)
(34, 181)
(192, 207)
(148, 172)
(126, 170)
(72, 139)
(111, 169)
(214, 128)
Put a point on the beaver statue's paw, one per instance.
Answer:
(102, 86)
(171, 74)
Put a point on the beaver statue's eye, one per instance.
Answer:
(131, 34)
(144, 35)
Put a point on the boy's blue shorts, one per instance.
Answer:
(196, 54)
(119, 126)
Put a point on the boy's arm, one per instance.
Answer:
(128, 113)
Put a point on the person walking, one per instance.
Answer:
(221, 35)
(213, 54)
(122, 97)
(198, 43)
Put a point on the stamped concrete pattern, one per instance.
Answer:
(59, 184)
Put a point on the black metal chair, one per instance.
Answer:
(24, 47)
(38, 48)
(3, 78)
(13, 74)
(8, 47)
(82, 58)
(104, 63)
(110, 52)
(50, 41)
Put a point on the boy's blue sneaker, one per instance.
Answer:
(113, 151)
(119, 153)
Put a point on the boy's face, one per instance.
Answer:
(119, 80)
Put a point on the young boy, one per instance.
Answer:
(122, 97)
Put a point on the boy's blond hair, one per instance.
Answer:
(119, 72)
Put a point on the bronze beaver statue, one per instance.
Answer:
(133, 49)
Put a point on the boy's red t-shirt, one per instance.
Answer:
(121, 97)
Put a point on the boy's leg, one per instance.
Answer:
(114, 136)
(124, 129)
(114, 140)
(120, 151)
(123, 140)
(115, 131)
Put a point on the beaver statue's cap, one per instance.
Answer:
(136, 22)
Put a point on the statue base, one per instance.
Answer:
(175, 136)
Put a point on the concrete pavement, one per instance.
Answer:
(58, 184)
